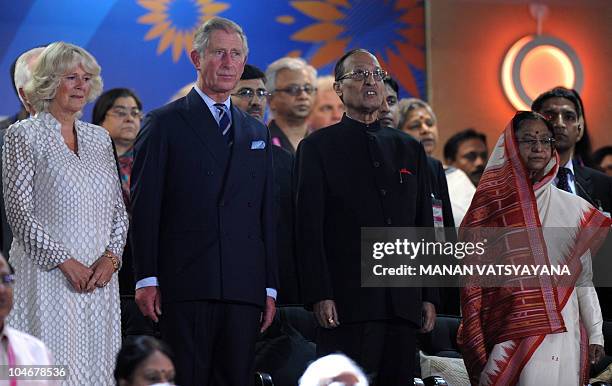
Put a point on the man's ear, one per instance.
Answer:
(195, 59)
(338, 89)
(580, 129)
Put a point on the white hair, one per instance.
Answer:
(52, 64)
(202, 34)
(23, 69)
(323, 371)
(289, 64)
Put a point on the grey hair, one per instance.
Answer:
(23, 67)
(406, 105)
(55, 60)
(201, 37)
(289, 64)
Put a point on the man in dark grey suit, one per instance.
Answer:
(564, 109)
(203, 221)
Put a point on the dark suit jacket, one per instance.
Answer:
(283, 196)
(596, 187)
(449, 296)
(439, 188)
(348, 177)
(202, 212)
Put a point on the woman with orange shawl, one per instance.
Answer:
(544, 334)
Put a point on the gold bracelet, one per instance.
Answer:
(113, 259)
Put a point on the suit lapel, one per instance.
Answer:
(205, 127)
(584, 187)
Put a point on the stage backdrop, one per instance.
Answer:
(144, 44)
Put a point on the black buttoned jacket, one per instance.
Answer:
(348, 176)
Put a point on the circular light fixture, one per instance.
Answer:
(535, 64)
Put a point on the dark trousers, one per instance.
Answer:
(385, 350)
(213, 342)
(133, 322)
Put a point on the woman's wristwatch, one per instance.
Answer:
(113, 259)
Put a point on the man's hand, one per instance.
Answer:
(77, 274)
(148, 300)
(326, 314)
(268, 313)
(596, 352)
(429, 317)
(102, 273)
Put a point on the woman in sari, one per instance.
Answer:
(542, 334)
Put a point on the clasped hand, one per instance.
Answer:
(86, 279)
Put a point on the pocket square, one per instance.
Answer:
(256, 145)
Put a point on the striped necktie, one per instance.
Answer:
(224, 122)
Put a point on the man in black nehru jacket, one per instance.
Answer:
(348, 177)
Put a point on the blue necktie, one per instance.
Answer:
(224, 122)
(562, 183)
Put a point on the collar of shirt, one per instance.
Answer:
(374, 126)
(211, 104)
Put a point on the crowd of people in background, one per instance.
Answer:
(172, 246)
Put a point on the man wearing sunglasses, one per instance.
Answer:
(351, 175)
(290, 82)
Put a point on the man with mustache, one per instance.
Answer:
(290, 82)
(466, 155)
(350, 175)
(467, 150)
(202, 227)
(250, 94)
(564, 109)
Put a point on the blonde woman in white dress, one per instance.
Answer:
(64, 205)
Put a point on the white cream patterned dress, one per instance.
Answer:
(61, 205)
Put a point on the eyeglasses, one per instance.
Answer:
(122, 113)
(359, 75)
(531, 143)
(295, 90)
(249, 93)
(8, 279)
